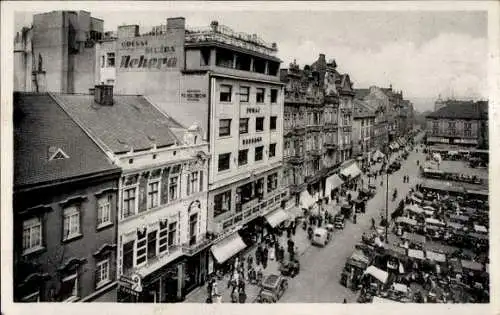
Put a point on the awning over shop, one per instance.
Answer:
(276, 217)
(439, 257)
(478, 192)
(227, 248)
(306, 200)
(391, 146)
(455, 226)
(414, 238)
(333, 182)
(378, 274)
(415, 253)
(434, 222)
(400, 287)
(406, 220)
(395, 145)
(351, 170)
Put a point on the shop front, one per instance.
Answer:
(351, 173)
(332, 185)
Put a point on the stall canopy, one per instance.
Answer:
(351, 170)
(434, 222)
(378, 274)
(439, 257)
(455, 226)
(333, 182)
(378, 155)
(414, 209)
(472, 265)
(377, 300)
(400, 287)
(414, 238)
(276, 217)
(480, 228)
(395, 145)
(415, 253)
(406, 220)
(306, 200)
(358, 255)
(227, 248)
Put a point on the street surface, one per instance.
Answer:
(321, 268)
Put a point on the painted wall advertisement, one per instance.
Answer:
(148, 54)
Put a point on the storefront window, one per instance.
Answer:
(222, 203)
(128, 256)
(172, 234)
(152, 244)
(193, 227)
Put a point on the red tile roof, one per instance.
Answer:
(41, 127)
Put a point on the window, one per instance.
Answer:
(467, 132)
(129, 202)
(128, 256)
(163, 236)
(104, 210)
(151, 245)
(224, 161)
(274, 96)
(242, 157)
(258, 153)
(467, 125)
(173, 184)
(222, 203)
(102, 273)
(272, 123)
(69, 288)
(243, 125)
(225, 93)
(201, 181)
(259, 95)
(153, 194)
(193, 226)
(172, 234)
(110, 81)
(111, 59)
(103, 61)
(272, 150)
(141, 253)
(272, 182)
(192, 183)
(32, 235)
(244, 93)
(224, 127)
(259, 124)
(71, 223)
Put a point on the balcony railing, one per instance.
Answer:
(202, 241)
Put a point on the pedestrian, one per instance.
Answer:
(354, 218)
(320, 221)
(373, 223)
(288, 232)
(258, 255)
(345, 301)
(294, 228)
(265, 256)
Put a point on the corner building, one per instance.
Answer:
(228, 83)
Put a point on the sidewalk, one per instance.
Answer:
(199, 295)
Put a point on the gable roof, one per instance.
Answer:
(461, 110)
(362, 110)
(130, 123)
(43, 129)
(361, 93)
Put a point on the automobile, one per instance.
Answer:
(321, 237)
(272, 288)
(339, 221)
(290, 268)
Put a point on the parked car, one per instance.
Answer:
(321, 237)
(272, 289)
(339, 221)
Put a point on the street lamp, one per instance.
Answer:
(387, 195)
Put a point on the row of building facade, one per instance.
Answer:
(146, 162)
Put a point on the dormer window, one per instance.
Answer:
(57, 154)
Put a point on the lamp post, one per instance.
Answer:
(387, 197)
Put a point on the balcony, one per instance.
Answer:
(202, 242)
(250, 211)
(330, 144)
(295, 188)
(314, 127)
(314, 152)
(295, 159)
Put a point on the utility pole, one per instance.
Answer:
(387, 196)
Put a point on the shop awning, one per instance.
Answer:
(378, 274)
(434, 221)
(333, 182)
(439, 257)
(378, 155)
(306, 200)
(400, 287)
(472, 265)
(391, 146)
(377, 300)
(455, 226)
(395, 146)
(276, 217)
(351, 170)
(480, 228)
(227, 248)
(414, 209)
(415, 253)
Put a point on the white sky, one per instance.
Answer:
(423, 53)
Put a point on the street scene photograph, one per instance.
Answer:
(249, 156)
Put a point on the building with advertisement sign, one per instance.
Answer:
(228, 83)
(162, 220)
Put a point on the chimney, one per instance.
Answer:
(176, 23)
(103, 94)
(214, 26)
